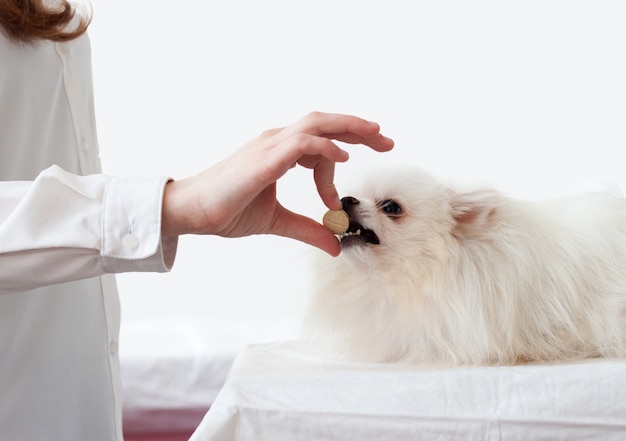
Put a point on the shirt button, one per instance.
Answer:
(130, 241)
(85, 147)
(113, 347)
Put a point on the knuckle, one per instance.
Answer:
(315, 115)
(312, 120)
(265, 134)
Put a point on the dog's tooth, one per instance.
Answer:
(358, 232)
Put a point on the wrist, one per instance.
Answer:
(169, 212)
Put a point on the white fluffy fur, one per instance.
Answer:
(475, 277)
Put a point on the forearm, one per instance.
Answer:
(64, 227)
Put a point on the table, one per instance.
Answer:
(283, 391)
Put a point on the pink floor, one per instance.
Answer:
(162, 437)
(162, 424)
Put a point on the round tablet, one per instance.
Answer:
(336, 221)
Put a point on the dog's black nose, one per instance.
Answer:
(348, 203)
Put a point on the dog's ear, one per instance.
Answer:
(475, 212)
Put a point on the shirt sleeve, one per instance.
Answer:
(63, 227)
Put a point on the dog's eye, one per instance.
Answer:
(390, 208)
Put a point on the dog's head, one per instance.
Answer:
(406, 214)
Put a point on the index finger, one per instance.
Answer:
(324, 175)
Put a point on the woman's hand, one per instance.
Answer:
(237, 196)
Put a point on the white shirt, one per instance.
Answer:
(64, 229)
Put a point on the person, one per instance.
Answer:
(66, 228)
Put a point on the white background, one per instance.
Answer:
(529, 96)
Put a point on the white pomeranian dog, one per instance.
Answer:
(429, 274)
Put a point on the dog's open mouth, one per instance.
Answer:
(358, 235)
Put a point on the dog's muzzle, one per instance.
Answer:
(356, 234)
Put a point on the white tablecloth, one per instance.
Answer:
(283, 392)
(172, 370)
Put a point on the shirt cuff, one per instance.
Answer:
(131, 227)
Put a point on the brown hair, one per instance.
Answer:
(30, 20)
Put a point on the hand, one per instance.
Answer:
(237, 196)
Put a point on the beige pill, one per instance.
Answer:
(336, 221)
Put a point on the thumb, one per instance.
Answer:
(295, 226)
